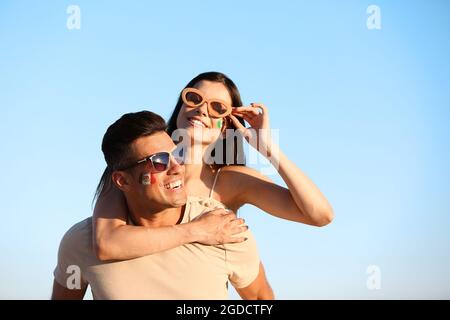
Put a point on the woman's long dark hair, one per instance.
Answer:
(236, 147)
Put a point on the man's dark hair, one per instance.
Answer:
(118, 139)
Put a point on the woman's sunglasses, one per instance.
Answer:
(194, 98)
(160, 161)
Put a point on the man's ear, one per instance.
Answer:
(120, 180)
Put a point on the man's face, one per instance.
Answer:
(158, 190)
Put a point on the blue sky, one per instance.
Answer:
(364, 113)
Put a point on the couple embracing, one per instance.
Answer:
(164, 224)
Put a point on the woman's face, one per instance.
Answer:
(198, 119)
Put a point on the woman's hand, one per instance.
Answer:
(218, 227)
(257, 116)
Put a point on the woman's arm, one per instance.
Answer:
(302, 201)
(113, 239)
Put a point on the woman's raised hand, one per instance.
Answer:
(257, 116)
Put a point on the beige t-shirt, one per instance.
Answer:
(192, 271)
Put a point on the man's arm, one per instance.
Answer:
(259, 289)
(62, 293)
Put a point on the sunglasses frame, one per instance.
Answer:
(150, 159)
(211, 111)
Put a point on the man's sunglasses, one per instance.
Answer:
(160, 161)
(194, 98)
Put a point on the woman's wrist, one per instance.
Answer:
(271, 152)
(189, 231)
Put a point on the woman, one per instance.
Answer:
(210, 104)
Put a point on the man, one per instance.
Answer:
(141, 164)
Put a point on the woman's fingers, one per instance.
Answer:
(244, 116)
(252, 111)
(260, 106)
(237, 226)
(237, 222)
(255, 110)
(233, 229)
(235, 239)
(252, 107)
(236, 122)
(243, 108)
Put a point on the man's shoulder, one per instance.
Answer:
(196, 206)
(80, 228)
(75, 249)
(78, 237)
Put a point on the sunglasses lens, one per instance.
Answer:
(193, 98)
(218, 108)
(160, 162)
(159, 167)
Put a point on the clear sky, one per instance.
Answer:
(363, 112)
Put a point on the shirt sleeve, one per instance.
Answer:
(242, 261)
(68, 271)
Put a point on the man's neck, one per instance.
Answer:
(195, 166)
(196, 170)
(155, 217)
